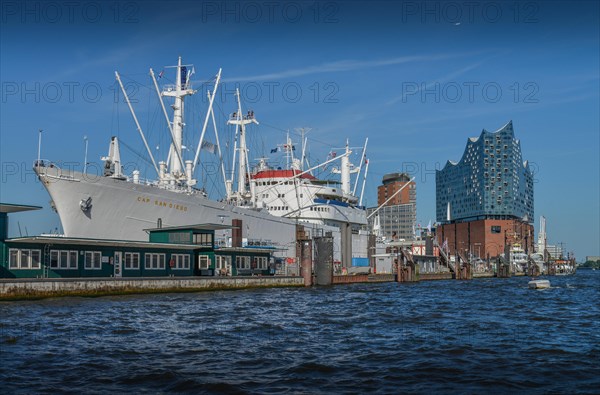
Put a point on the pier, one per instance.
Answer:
(15, 289)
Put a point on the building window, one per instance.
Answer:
(73, 264)
(93, 260)
(13, 260)
(36, 259)
(496, 229)
(154, 261)
(180, 261)
(23, 259)
(203, 239)
(260, 263)
(223, 264)
(63, 259)
(54, 259)
(242, 262)
(179, 237)
(132, 260)
(203, 261)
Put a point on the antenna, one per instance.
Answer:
(39, 146)
(85, 138)
(303, 131)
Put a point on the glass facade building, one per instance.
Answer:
(491, 181)
(396, 221)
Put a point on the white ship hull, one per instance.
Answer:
(122, 210)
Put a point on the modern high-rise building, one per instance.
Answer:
(485, 200)
(398, 216)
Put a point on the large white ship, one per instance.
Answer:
(270, 203)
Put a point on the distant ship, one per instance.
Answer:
(270, 202)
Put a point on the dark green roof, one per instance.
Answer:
(263, 250)
(61, 240)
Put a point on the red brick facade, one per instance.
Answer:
(486, 237)
(387, 190)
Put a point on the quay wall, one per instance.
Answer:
(12, 289)
(484, 275)
(435, 276)
(364, 278)
(381, 278)
(356, 278)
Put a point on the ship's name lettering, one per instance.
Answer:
(162, 203)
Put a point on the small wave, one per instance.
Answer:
(124, 331)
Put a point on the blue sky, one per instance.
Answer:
(417, 78)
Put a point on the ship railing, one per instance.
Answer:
(163, 185)
(169, 87)
(143, 181)
(46, 164)
(40, 162)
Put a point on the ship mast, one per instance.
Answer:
(179, 91)
(242, 120)
(346, 168)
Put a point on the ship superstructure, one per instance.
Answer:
(295, 193)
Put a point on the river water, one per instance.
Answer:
(480, 336)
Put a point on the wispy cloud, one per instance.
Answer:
(509, 108)
(118, 56)
(444, 78)
(341, 65)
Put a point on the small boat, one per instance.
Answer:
(539, 284)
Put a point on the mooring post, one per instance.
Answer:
(306, 259)
(323, 250)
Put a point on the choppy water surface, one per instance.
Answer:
(480, 336)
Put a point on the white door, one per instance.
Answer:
(228, 265)
(118, 263)
(223, 265)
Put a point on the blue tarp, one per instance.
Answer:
(360, 262)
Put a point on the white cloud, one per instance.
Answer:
(339, 66)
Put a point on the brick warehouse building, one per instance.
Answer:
(484, 202)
